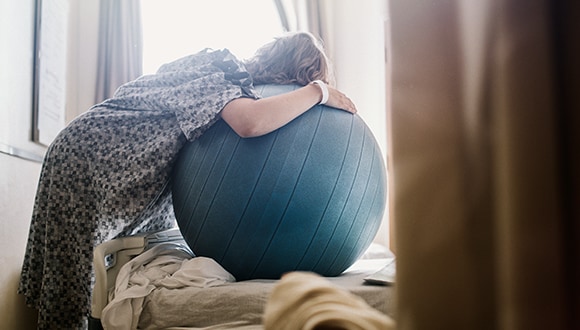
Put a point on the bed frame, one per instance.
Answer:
(110, 256)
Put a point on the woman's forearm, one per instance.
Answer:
(251, 118)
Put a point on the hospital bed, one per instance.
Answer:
(229, 305)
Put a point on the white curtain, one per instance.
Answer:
(484, 163)
(307, 15)
(353, 35)
(120, 45)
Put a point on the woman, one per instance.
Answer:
(295, 59)
(106, 175)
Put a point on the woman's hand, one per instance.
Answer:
(337, 99)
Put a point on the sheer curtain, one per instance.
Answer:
(308, 15)
(484, 164)
(120, 45)
(353, 35)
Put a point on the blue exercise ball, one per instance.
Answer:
(309, 196)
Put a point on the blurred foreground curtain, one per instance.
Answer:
(484, 163)
(120, 45)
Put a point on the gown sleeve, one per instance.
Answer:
(196, 88)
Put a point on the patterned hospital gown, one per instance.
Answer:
(106, 175)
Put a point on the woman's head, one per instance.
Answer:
(294, 58)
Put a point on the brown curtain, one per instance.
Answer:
(484, 164)
(120, 45)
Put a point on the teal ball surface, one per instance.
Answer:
(309, 196)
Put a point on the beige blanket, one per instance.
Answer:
(240, 305)
(165, 288)
(161, 267)
(306, 301)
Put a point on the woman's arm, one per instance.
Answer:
(251, 118)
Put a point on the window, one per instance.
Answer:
(176, 28)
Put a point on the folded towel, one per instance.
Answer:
(306, 301)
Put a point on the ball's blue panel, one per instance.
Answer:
(309, 196)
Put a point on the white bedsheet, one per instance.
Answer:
(166, 288)
(163, 266)
(241, 305)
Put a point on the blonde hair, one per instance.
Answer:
(297, 58)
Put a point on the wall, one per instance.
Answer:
(18, 180)
(19, 177)
(358, 53)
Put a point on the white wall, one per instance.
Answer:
(18, 180)
(358, 54)
(18, 177)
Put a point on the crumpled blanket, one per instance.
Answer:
(106, 175)
(163, 266)
(306, 301)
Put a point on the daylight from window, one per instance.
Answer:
(176, 28)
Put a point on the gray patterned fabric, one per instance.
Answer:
(106, 175)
